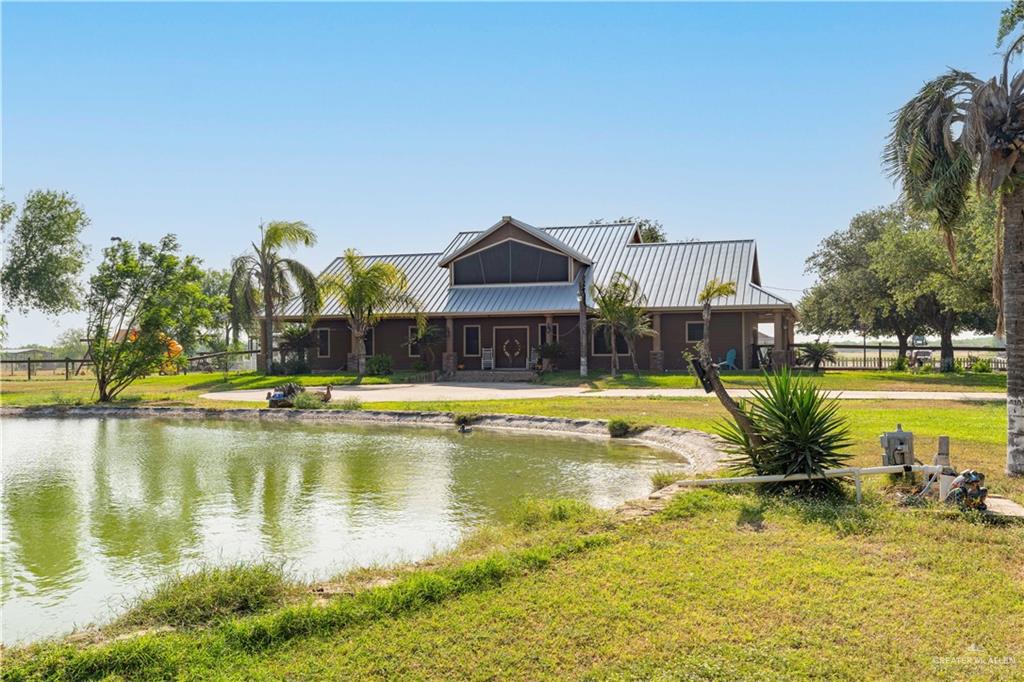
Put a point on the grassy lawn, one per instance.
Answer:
(833, 379)
(179, 389)
(722, 585)
(719, 586)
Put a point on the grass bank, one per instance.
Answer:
(835, 380)
(720, 585)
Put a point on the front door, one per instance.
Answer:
(511, 347)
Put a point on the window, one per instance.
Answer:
(368, 341)
(511, 262)
(323, 343)
(414, 348)
(694, 332)
(601, 345)
(471, 341)
(542, 334)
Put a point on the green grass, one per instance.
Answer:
(208, 595)
(719, 586)
(183, 389)
(833, 379)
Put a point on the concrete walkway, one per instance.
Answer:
(381, 393)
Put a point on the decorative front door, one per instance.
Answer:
(511, 347)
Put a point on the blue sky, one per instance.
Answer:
(390, 127)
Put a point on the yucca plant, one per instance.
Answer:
(801, 432)
(817, 353)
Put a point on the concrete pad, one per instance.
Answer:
(1001, 506)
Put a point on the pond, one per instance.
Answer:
(96, 511)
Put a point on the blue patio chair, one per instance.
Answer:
(730, 360)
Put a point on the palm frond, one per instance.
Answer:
(716, 288)
(280, 234)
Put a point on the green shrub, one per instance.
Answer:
(210, 595)
(293, 365)
(532, 513)
(802, 431)
(421, 366)
(621, 428)
(660, 479)
(350, 403)
(899, 365)
(982, 366)
(378, 365)
(308, 401)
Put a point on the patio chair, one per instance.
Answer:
(487, 358)
(730, 360)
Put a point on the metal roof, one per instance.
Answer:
(541, 234)
(670, 274)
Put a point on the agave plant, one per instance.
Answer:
(801, 432)
(816, 353)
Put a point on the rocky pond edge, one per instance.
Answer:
(701, 450)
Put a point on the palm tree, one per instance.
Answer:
(716, 288)
(959, 130)
(265, 278)
(365, 292)
(620, 312)
(817, 352)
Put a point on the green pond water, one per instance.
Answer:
(94, 512)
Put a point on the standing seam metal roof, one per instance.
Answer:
(670, 274)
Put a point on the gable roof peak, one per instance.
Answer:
(537, 233)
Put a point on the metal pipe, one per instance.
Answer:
(856, 472)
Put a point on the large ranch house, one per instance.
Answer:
(502, 292)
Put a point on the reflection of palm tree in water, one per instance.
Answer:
(156, 529)
(43, 519)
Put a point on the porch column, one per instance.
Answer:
(549, 321)
(657, 361)
(780, 354)
(745, 351)
(581, 297)
(450, 360)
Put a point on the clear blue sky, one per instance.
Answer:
(390, 127)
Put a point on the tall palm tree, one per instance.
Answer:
(619, 311)
(959, 130)
(264, 279)
(715, 288)
(365, 292)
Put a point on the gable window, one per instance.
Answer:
(368, 341)
(602, 345)
(471, 341)
(414, 347)
(511, 262)
(542, 334)
(694, 332)
(323, 343)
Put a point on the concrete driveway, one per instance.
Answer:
(383, 393)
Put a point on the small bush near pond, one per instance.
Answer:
(351, 403)
(623, 428)
(982, 366)
(660, 479)
(308, 401)
(531, 513)
(899, 365)
(210, 595)
(378, 365)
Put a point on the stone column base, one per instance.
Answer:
(657, 360)
(449, 362)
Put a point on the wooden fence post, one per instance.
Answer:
(879, 355)
(28, 366)
(67, 369)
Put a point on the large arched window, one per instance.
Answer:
(511, 262)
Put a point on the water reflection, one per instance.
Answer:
(111, 505)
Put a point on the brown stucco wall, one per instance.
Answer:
(726, 333)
